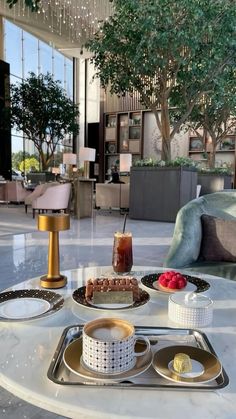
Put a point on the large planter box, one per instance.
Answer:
(40, 177)
(213, 182)
(157, 193)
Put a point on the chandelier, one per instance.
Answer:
(77, 20)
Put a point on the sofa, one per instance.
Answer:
(185, 248)
(112, 195)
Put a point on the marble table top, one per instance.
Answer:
(27, 349)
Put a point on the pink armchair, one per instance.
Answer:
(15, 192)
(54, 198)
(38, 191)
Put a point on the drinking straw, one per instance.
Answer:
(125, 218)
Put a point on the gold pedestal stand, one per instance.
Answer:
(53, 224)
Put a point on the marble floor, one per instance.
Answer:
(23, 255)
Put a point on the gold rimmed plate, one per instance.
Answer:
(79, 297)
(31, 304)
(193, 284)
(206, 366)
(72, 358)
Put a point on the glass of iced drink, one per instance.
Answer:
(122, 257)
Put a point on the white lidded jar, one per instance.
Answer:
(190, 309)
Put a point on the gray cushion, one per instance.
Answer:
(218, 239)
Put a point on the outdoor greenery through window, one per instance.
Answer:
(25, 53)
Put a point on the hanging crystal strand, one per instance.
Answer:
(60, 17)
(52, 16)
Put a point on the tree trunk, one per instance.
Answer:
(163, 125)
(165, 131)
(212, 156)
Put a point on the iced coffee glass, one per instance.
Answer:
(122, 257)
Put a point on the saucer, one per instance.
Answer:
(206, 368)
(79, 298)
(29, 304)
(193, 284)
(72, 359)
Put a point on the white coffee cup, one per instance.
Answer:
(109, 345)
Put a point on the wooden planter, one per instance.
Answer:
(211, 182)
(157, 193)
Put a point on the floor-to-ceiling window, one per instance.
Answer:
(25, 53)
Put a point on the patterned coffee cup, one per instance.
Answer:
(109, 345)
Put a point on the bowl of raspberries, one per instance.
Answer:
(171, 281)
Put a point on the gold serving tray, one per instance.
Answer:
(160, 337)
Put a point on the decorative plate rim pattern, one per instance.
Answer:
(74, 349)
(210, 362)
(55, 300)
(149, 279)
(79, 298)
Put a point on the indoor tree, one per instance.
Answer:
(43, 112)
(161, 48)
(215, 115)
(32, 4)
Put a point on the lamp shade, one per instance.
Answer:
(69, 158)
(125, 162)
(56, 170)
(87, 154)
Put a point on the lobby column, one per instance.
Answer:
(79, 98)
(1, 39)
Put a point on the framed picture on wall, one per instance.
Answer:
(228, 143)
(196, 144)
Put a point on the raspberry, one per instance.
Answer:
(172, 284)
(181, 284)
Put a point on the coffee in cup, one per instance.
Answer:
(109, 345)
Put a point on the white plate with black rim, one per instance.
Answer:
(194, 284)
(79, 298)
(31, 304)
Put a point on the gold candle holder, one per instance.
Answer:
(53, 224)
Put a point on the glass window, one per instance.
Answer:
(45, 58)
(30, 54)
(25, 53)
(13, 48)
(58, 67)
(14, 79)
(69, 77)
(17, 144)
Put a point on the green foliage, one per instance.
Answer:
(169, 51)
(216, 113)
(216, 170)
(32, 4)
(18, 157)
(28, 163)
(41, 109)
(177, 162)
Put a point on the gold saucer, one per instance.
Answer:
(72, 359)
(210, 364)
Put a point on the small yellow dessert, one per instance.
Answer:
(182, 363)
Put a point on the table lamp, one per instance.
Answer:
(125, 162)
(69, 159)
(56, 171)
(86, 155)
(53, 223)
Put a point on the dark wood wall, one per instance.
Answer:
(5, 129)
(113, 103)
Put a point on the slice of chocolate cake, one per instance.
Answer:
(107, 285)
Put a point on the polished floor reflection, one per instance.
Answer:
(23, 255)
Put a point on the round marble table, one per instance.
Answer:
(27, 349)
